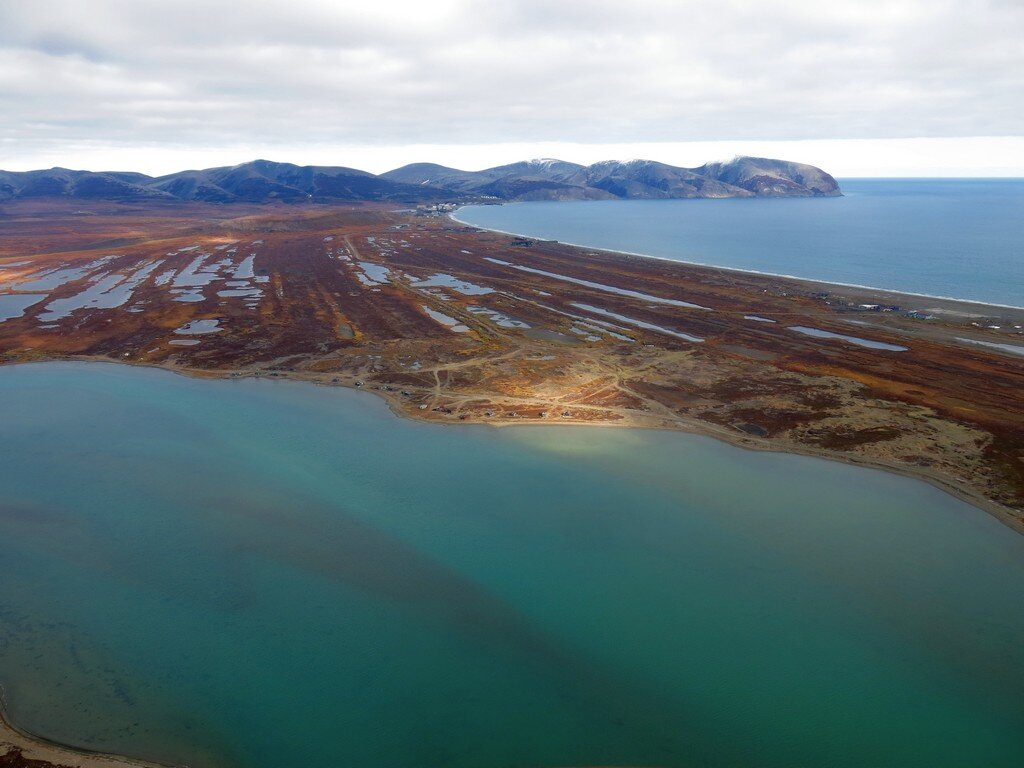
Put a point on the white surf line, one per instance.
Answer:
(636, 323)
(601, 286)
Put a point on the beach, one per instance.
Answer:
(23, 750)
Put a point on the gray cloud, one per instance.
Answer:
(215, 73)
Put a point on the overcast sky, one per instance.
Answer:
(862, 87)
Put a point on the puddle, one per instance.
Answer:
(499, 319)
(544, 334)
(192, 277)
(164, 277)
(441, 280)
(14, 304)
(197, 327)
(184, 342)
(373, 274)
(446, 320)
(189, 296)
(758, 319)
(108, 292)
(601, 326)
(604, 330)
(54, 278)
(244, 271)
(637, 323)
(602, 286)
(587, 335)
(820, 334)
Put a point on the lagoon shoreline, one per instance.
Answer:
(1004, 514)
(21, 749)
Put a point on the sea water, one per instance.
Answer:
(959, 238)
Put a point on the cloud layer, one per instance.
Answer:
(213, 74)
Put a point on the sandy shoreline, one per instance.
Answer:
(693, 426)
(20, 748)
(1002, 513)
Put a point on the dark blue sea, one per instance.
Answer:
(959, 238)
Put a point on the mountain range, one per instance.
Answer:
(265, 181)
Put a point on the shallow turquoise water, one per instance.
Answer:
(257, 573)
(962, 238)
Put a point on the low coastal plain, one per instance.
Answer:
(455, 324)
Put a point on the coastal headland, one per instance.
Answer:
(456, 325)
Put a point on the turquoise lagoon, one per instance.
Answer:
(265, 573)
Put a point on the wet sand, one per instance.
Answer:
(19, 749)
